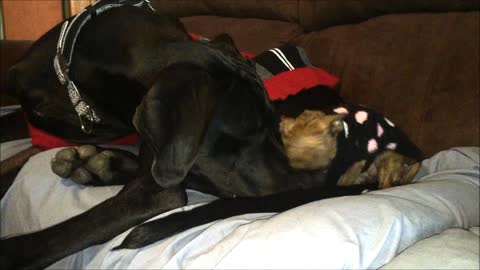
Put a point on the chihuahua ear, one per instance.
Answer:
(286, 125)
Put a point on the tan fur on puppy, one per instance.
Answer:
(389, 169)
(310, 140)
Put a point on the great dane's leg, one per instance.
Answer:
(159, 229)
(137, 202)
(172, 120)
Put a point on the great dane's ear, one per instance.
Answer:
(12, 83)
(19, 82)
(173, 118)
(19, 86)
(224, 42)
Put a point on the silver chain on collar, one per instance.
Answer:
(87, 115)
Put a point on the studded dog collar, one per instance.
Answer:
(65, 47)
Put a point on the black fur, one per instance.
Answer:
(204, 119)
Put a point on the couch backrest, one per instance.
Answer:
(415, 61)
(309, 14)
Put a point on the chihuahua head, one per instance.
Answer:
(310, 140)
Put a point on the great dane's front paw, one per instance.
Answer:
(68, 163)
(88, 164)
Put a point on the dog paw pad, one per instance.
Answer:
(90, 165)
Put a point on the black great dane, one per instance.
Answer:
(204, 120)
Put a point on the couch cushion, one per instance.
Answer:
(250, 35)
(421, 70)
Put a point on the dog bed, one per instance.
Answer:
(356, 232)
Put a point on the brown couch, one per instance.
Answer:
(415, 61)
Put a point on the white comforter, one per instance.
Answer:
(356, 232)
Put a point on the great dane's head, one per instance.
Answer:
(47, 106)
(33, 81)
(45, 101)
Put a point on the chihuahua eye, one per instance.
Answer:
(336, 126)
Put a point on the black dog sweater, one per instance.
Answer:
(287, 73)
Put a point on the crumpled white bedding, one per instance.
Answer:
(356, 232)
(452, 249)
